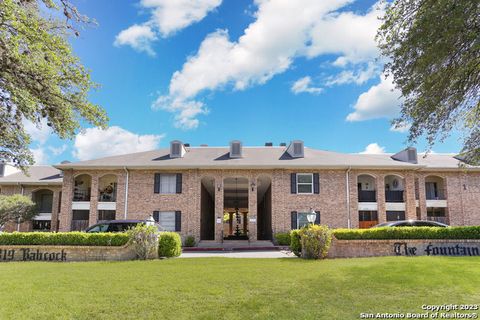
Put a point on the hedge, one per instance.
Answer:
(387, 233)
(169, 245)
(64, 238)
(295, 242)
(282, 238)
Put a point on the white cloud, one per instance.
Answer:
(270, 44)
(373, 148)
(138, 37)
(380, 101)
(38, 132)
(305, 85)
(56, 151)
(166, 18)
(39, 155)
(96, 143)
(358, 75)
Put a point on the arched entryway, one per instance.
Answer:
(235, 202)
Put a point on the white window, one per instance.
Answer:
(302, 220)
(168, 183)
(305, 183)
(166, 219)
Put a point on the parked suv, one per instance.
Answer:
(411, 223)
(118, 225)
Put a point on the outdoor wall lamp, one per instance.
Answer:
(219, 187)
(253, 185)
(311, 216)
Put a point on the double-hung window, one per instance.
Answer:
(168, 183)
(305, 183)
(302, 220)
(168, 220)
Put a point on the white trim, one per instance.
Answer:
(304, 183)
(367, 206)
(81, 205)
(107, 206)
(395, 206)
(436, 203)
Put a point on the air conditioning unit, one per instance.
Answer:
(235, 149)
(177, 149)
(408, 155)
(296, 149)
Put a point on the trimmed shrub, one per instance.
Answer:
(64, 239)
(315, 241)
(295, 244)
(387, 233)
(169, 245)
(189, 241)
(144, 240)
(282, 238)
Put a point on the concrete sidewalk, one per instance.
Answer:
(239, 254)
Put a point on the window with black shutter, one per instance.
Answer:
(294, 220)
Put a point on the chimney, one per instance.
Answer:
(177, 149)
(408, 155)
(268, 144)
(204, 145)
(283, 144)
(295, 149)
(186, 145)
(235, 149)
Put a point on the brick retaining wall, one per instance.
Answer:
(403, 247)
(65, 253)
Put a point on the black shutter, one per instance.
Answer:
(317, 218)
(178, 221)
(179, 183)
(294, 220)
(293, 183)
(156, 216)
(316, 183)
(156, 183)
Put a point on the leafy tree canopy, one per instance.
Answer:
(433, 49)
(40, 77)
(16, 207)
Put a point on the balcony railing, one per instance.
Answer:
(438, 197)
(107, 197)
(81, 195)
(393, 196)
(367, 196)
(437, 219)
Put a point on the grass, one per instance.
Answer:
(225, 288)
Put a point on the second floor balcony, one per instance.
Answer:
(367, 196)
(394, 196)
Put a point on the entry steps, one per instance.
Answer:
(234, 245)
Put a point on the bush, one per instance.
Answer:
(64, 239)
(315, 241)
(282, 238)
(169, 245)
(144, 240)
(295, 244)
(189, 241)
(408, 233)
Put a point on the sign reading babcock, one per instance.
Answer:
(28, 254)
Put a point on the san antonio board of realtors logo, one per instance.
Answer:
(27, 254)
(441, 249)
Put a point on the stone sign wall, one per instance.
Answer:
(403, 247)
(64, 253)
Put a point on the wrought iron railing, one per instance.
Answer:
(367, 196)
(79, 225)
(81, 195)
(394, 196)
(437, 219)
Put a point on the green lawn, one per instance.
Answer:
(225, 288)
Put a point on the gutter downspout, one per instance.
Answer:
(347, 179)
(22, 193)
(126, 194)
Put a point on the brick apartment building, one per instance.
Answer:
(217, 193)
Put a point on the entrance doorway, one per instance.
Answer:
(235, 202)
(264, 208)
(207, 209)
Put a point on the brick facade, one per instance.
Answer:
(461, 189)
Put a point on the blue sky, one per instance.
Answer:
(210, 71)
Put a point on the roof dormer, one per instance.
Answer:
(296, 149)
(235, 149)
(177, 149)
(407, 155)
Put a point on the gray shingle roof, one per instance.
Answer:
(257, 157)
(38, 175)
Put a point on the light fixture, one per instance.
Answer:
(311, 216)
(219, 187)
(253, 185)
(150, 221)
